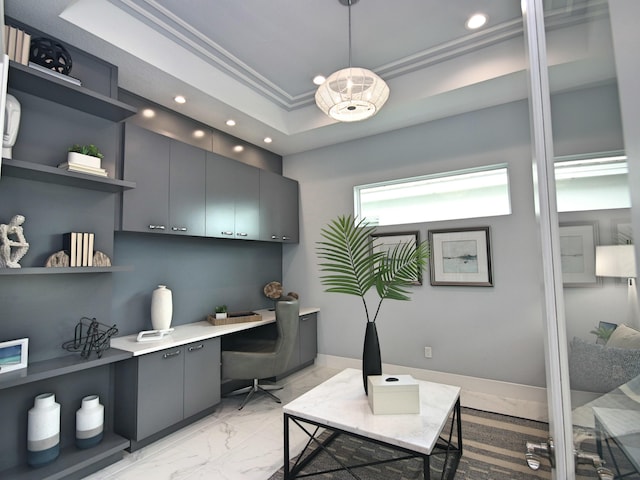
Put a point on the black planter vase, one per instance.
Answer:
(371, 362)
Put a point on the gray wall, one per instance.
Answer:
(494, 332)
(201, 273)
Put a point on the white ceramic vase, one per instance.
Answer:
(89, 422)
(43, 430)
(161, 308)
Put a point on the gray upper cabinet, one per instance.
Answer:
(170, 184)
(146, 159)
(233, 199)
(278, 208)
(186, 189)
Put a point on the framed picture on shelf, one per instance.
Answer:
(578, 254)
(460, 257)
(386, 242)
(14, 355)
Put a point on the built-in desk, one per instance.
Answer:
(194, 332)
(172, 382)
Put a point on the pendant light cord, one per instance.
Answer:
(349, 33)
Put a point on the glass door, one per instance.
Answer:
(583, 68)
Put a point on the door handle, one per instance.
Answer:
(595, 460)
(537, 451)
(156, 227)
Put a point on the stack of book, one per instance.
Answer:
(17, 44)
(79, 246)
(83, 164)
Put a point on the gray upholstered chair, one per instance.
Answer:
(262, 359)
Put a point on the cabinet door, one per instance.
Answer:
(278, 208)
(232, 199)
(201, 376)
(308, 333)
(187, 189)
(160, 391)
(220, 195)
(247, 202)
(146, 162)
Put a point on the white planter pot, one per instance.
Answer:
(221, 315)
(75, 158)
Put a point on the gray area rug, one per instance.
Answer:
(493, 449)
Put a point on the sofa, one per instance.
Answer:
(603, 368)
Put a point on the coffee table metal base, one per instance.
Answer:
(451, 450)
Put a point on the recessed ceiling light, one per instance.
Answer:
(231, 123)
(268, 140)
(198, 133)
(238, 148)
(476, 21)
(319, 79)
(148, 113)
(180, 99)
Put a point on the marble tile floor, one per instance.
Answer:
(227, 445)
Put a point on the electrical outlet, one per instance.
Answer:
(427, 352)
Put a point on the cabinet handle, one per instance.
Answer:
(226, 233)
(242, 234)
(156, 227)
(275, 237)
(284, 237)
(171, 354)
(306, 318)
(179, 229)
(196, 347)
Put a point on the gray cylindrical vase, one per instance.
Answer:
(43, 430)
(89, 422)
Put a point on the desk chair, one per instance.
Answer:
(261, 359)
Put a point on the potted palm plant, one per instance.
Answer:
(353, 266)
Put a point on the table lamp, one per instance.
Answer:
(620, 261)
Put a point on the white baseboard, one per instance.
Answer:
(506, 398)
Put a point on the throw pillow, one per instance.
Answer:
(599, 368)
(624, 337)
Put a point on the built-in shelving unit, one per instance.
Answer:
(54, 367)
(71, 460)
(46, 86)
(45, 173)
(62, 270)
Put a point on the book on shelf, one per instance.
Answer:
(79, 168)
(80, 247)
(55, 74)
(17, 44)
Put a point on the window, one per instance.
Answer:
(470, 193)
(594, 182)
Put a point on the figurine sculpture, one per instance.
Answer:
(13, 244)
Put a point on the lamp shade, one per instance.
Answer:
(352, 94)
(615, 261)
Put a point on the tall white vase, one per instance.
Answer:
(161, 308)
(43, 430)
(89, 422)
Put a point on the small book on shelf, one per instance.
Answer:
(79, 168)
(80, 247)
(70, 244)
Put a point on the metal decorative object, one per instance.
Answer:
(50, 54)
(90, 335)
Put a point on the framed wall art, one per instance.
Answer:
(14, 355)
(386, 242)
(578, 254)
(460, 257)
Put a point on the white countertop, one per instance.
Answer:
(194, 332)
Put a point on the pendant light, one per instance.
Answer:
(353, 93)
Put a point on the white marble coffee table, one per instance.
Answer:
(341, 406)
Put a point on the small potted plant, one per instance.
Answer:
(221, 311)
(87, 155)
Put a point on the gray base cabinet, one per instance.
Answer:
(157, 391)
(306, 348)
